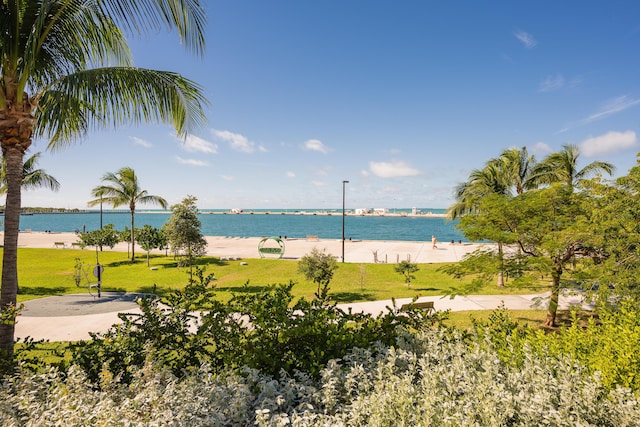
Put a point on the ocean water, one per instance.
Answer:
(290, 223)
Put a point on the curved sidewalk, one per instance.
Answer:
(73, 317)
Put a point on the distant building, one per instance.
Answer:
(381, 211)
(363, 211)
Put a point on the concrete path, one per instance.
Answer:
(73, 317)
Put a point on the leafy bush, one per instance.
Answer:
(265, 330)
(606, 345)
(430, 378)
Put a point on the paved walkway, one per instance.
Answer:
(72, 317)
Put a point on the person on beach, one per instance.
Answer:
(434, 241)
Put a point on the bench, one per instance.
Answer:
(312, 238)
(76, 245)
(59, 245)
(427, 305)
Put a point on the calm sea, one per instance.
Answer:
(290, 223)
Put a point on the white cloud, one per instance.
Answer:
(541, 148)
(364, 172)
(551, 83)
(194, 144)
(227, 177)
(614, 106)
(290, 174)
(392, 169)
(319, 183)
(236, 141)
(315, 145)
(610, 142)
(527, 39)
(192, 162)
(609, 108)
(141, 142)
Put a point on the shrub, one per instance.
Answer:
(430, 378)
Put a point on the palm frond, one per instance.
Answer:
(107, 97)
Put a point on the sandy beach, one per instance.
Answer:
(358, 251)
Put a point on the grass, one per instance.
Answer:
(45, 272)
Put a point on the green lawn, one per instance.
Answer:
(44, 272)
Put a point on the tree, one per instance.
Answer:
(615, 226)
(183, 230)
(107, 236)
(545, 232)
(122, 188)
(502, 177)
(32, 178)
(562, 167)
(406, 269)
(150, 238)
(318, 266)
(508, 174)
(65, 68)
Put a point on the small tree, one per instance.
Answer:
(407, 268)
(108, 236)
(150, 238)
(183, 230)
(318, 266)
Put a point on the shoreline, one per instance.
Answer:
(236, 248)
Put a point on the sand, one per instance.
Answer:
(356, 251)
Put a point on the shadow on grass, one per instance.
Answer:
(243, 289)
(164, 265)
(342, 297)
(42, 291)
(428, 289)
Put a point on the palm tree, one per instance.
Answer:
(122, 188)
(32, 178)
(502, 175)
(481, 182)
(562, 167)
(516, 164)
(66, 68)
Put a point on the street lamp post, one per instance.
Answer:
(343, 214)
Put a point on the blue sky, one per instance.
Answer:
(400, 98)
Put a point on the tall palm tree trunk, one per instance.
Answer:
(8, 294)
(133, 237)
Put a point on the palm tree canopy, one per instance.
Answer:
(32, 177)
(69, 63)
(66, 68)
(562, 167)
(122, 188)
(516, 164)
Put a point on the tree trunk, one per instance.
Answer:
(8, 294)
(500, 283)
(16, 126)
(133, 237)
(553, 300)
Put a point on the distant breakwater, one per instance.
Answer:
(399, 225)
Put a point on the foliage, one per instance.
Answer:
(183, 230)
(67, 69)
(406, 269)
(431, 378)
(318, 266)
(107, 237)
(122, 188)
(150, 238)
(544, 232)
(32, 178)
(264, 330)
